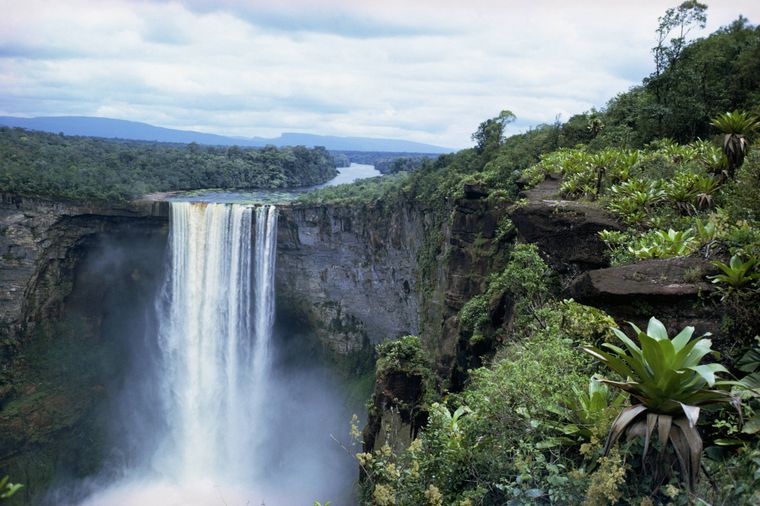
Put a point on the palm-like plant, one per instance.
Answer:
(666, 378)
(736, 126)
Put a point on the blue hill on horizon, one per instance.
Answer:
(92, 126)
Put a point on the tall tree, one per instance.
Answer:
(490, 133)
(672, 30)
(674, 26)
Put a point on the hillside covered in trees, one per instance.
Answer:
(557, 405)
(90, 169)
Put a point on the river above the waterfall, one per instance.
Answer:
(354, 172)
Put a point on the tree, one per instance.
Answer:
(490, 133)
(679, 21)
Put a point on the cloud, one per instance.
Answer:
(425, 71)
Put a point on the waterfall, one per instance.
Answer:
(208, 417)
(214, 338)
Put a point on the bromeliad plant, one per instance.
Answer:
(670, 386)
(582, 412)
(736, 126)
(736, 274)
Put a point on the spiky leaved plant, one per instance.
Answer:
(670, 386)
(736, 274)
(736, 126)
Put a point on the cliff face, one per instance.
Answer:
(75, 281)
(362, 274)
(40, 244)
(350, 272)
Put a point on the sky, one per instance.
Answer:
(421, 70)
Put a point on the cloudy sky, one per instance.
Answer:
(423, 70)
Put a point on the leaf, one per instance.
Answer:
(750, 361)
(621, 423)
(635, 350)
(651, 423)
(681, 449)
(707, 372)
(655, 328)
(694, 450)
(653, 355)
(728, 442)
(752, 426)
(663, 430)
(682, 338)
(610, 361)
(698, 351)
(751, 381)
(691, 412)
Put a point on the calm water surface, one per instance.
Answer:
(345, 175)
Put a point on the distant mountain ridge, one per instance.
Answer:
(92, 126)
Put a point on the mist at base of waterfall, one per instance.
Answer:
(307, 451)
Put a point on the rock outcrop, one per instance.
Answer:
(566, 232)
(671, 289)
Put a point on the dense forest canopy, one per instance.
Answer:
(91, 169)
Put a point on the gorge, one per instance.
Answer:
(347, 277)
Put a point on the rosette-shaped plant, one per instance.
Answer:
(669, 384)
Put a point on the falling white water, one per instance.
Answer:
(225, 425)
(215, 339)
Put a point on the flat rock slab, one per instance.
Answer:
(650, 278)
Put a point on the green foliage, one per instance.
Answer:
(739, 123)
(8, 489)
(666, 378)
(374, 190)
(699, 80)
(402, 354)
(90, 169)
(641, 159)
(582, 414)
(736, 126)
(586, 323)
(662, 244)
(490, 133)
(495, 442)
(634, 200)
(524, 279)
(742, 197)
(680, 20)
(736, 274)
(748, 388)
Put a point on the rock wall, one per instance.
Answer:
(361, 274)
(350, 272)
(74, 280)
(39, 241)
